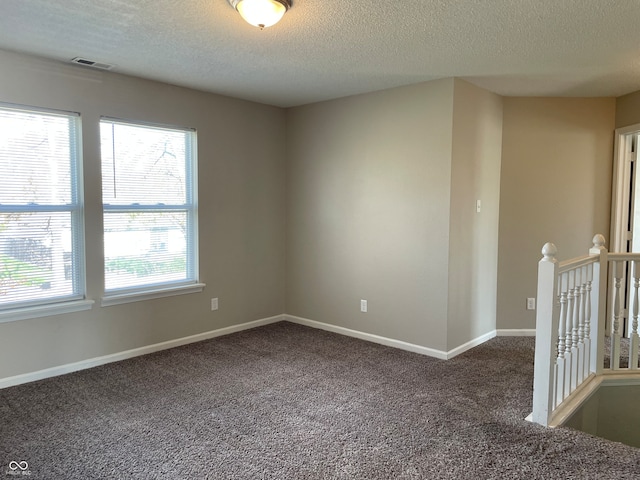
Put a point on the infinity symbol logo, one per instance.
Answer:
(13, 465)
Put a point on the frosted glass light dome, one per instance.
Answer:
(261, 13)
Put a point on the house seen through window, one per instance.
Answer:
(149, 201)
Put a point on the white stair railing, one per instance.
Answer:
(569, 326)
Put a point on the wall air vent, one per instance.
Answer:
(90, 63)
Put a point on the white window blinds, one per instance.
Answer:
(41, 219)
(150, 209)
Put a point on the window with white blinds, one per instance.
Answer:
(41, 218)
(150, 208)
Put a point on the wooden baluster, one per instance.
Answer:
(583, 294)
(583, 303)
(575, 338)
(569, 329)
(575, 335)
(587, 321)
(569, 319)
(562, 341)
(633, 341)
(617, 299)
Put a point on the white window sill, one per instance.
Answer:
(45, 310)
(120, 298)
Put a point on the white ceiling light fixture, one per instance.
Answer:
(261, 13)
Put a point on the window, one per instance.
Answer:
(150, 208)
(41, 214)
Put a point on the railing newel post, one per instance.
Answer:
(546, 336)
(598, 303)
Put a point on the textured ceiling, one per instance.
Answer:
(326, 49)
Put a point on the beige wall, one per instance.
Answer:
(368, 188)
(473, 247)
(241, 208)
(555, 186)
(367, 197)
(628, 110)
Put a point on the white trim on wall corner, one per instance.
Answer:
(470, 344)
(136, 352)
(390, 342)
(516, 332)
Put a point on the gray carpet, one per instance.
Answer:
(624, 353)
(290, 402)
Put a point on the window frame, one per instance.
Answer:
(77, 300)
(191, 284)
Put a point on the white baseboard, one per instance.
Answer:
(390, 342)
(470, 344)
(516, 332)
(115, 357)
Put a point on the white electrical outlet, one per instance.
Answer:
(363, 306)
(214, 304)
(531, 303)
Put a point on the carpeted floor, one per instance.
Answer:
(290, 402)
